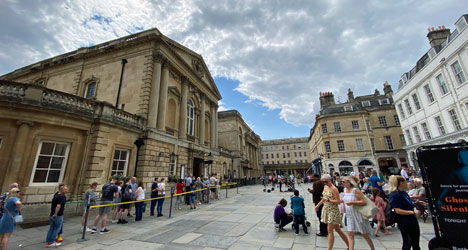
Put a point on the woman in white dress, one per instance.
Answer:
(354, 220)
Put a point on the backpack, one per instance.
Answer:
(390, 215)
(2, 202)
(126, 193)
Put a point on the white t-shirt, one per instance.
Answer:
(141, 194)
(162, 187)
(404, 174)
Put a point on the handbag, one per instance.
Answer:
(369, 210)
(143, 207)
(17, 219)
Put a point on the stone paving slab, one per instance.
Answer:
(243, 221)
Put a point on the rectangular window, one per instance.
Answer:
(50, 163)
(300, 154)
(289, 161)
(408, 107)
(327, 146)
(337, 126)
(277, 155)
(455, 121)
(359, 145)
(287, 147)
(284, 155)
(368, 125)
(426, 131)
(284, 162)
(397, 120)
(365, 103)
(388, 142)
(282, 147)
(300, 161)
(289, 155)
(402, 112)
(173, 166)
(120, 163)
(372, 144)
(430, 97)
(408, 135)
(442, 85)
(416, 134)
(295, 154)
(268, 162)
(266, 156)
(266, 148)
(272, 156)
(305, 154)
(416, 101)
(341, 147)
(457, 70)
(324, 128)
(383, 121)
(384, 101)
(440, 125)
(402, 139)
(305, 161)
(355, 125)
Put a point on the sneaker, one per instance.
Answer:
(124, 221)
(297, 234)
(276, 225)
(120, 221)
(93, 231)
(88, 229)
(281, 229)
(59, 238)
(114, 221)
(191, 208)
(306, 233)
(104, 231)
(54, 244)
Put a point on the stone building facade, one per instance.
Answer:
(141, 105)
(286, 156)
(362, 133)
(432, 98)
(237, 137)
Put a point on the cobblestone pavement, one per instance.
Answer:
(242, 221)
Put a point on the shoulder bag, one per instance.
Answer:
(17, 219)
(367, 211)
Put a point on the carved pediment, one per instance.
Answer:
(198, 67)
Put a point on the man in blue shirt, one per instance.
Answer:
(297, 205)
(377, 183)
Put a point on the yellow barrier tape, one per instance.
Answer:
(156, 198)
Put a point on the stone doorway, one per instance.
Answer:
(198, 167)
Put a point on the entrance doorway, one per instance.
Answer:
(388, 166)
(197, 167)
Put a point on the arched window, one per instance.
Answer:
(91, 90)
(190, 117)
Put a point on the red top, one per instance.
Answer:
(179, 187)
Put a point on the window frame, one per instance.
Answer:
(337, 126)
(402, 140)
(408, 106)
(383, 121)
(409, 136)
(119, 160)
(87, 89)
(442, 84)
(426, 131)
(365, 103)
(457, 75)
(389, 142)
(190, 118)
(396, 119)
(440, 125)
(324, 129)
(355, 124)
(173, 166)
(454, 118)
(402, 112)
(62, 169)
(416, 102)
(429, 95)
(360, 145)
(327, 146)
(417, 135)
(341, 148)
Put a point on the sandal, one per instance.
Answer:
(387, 233)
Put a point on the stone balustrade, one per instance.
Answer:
(40, 96)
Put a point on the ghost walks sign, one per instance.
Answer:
(445, 172)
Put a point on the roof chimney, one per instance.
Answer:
(326, 99)
(350, 95)
(387, 89)
(437, 36)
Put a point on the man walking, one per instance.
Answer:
(109, 191)
(56, 216)
(317, 190)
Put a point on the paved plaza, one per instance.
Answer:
(242, 221)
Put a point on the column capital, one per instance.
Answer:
(158, 57)
(166, 64)
(21, 122)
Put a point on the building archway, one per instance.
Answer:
(363, 164)
(388, 166)
(345, 167)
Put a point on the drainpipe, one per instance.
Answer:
(139, 142)
(124, 61)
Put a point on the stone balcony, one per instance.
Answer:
(36, 95)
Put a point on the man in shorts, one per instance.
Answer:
(109, 191)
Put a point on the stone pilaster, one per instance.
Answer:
(183, 110)
(17, 171)
(202, 120)
(155, 90)
(162, 107)
(213, 126)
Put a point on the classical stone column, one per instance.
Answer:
(202, 119)
(216, 127)
(183, 110)
(17, 171)
(155, 85)
(213, 126)
(162, 107)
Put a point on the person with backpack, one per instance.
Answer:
(12, 207)
(4, 196)
(109, 191)
(405, 212)
(126, 191)
(297, 205)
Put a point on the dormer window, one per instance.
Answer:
(384, 101)
(365, 103)
(91, 90)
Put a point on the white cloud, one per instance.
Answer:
(282, 53)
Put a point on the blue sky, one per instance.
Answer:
(270, 59)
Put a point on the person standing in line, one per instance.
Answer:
(380, 216)
(109, 191)
(117, 199)
(297, 204)
(89, 200)
(134, 186)
(406, 214)
(331, 213)
(179, 188)
(56, 216)
(154, 194)
(161, 193)
(188, 181)
(140, 195)
(198, 186)
(192, 196)
(206, 184)
(317, 190)
(4, 196)
(354, 220)
(12, 208)
(126, 192)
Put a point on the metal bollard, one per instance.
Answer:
(237, 187)
(226, 189)
(85, 222)
(209, 194)
(170, 206)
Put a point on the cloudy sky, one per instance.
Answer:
(270, 59)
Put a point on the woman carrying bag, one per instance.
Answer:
(355, 222)
(10, 217)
